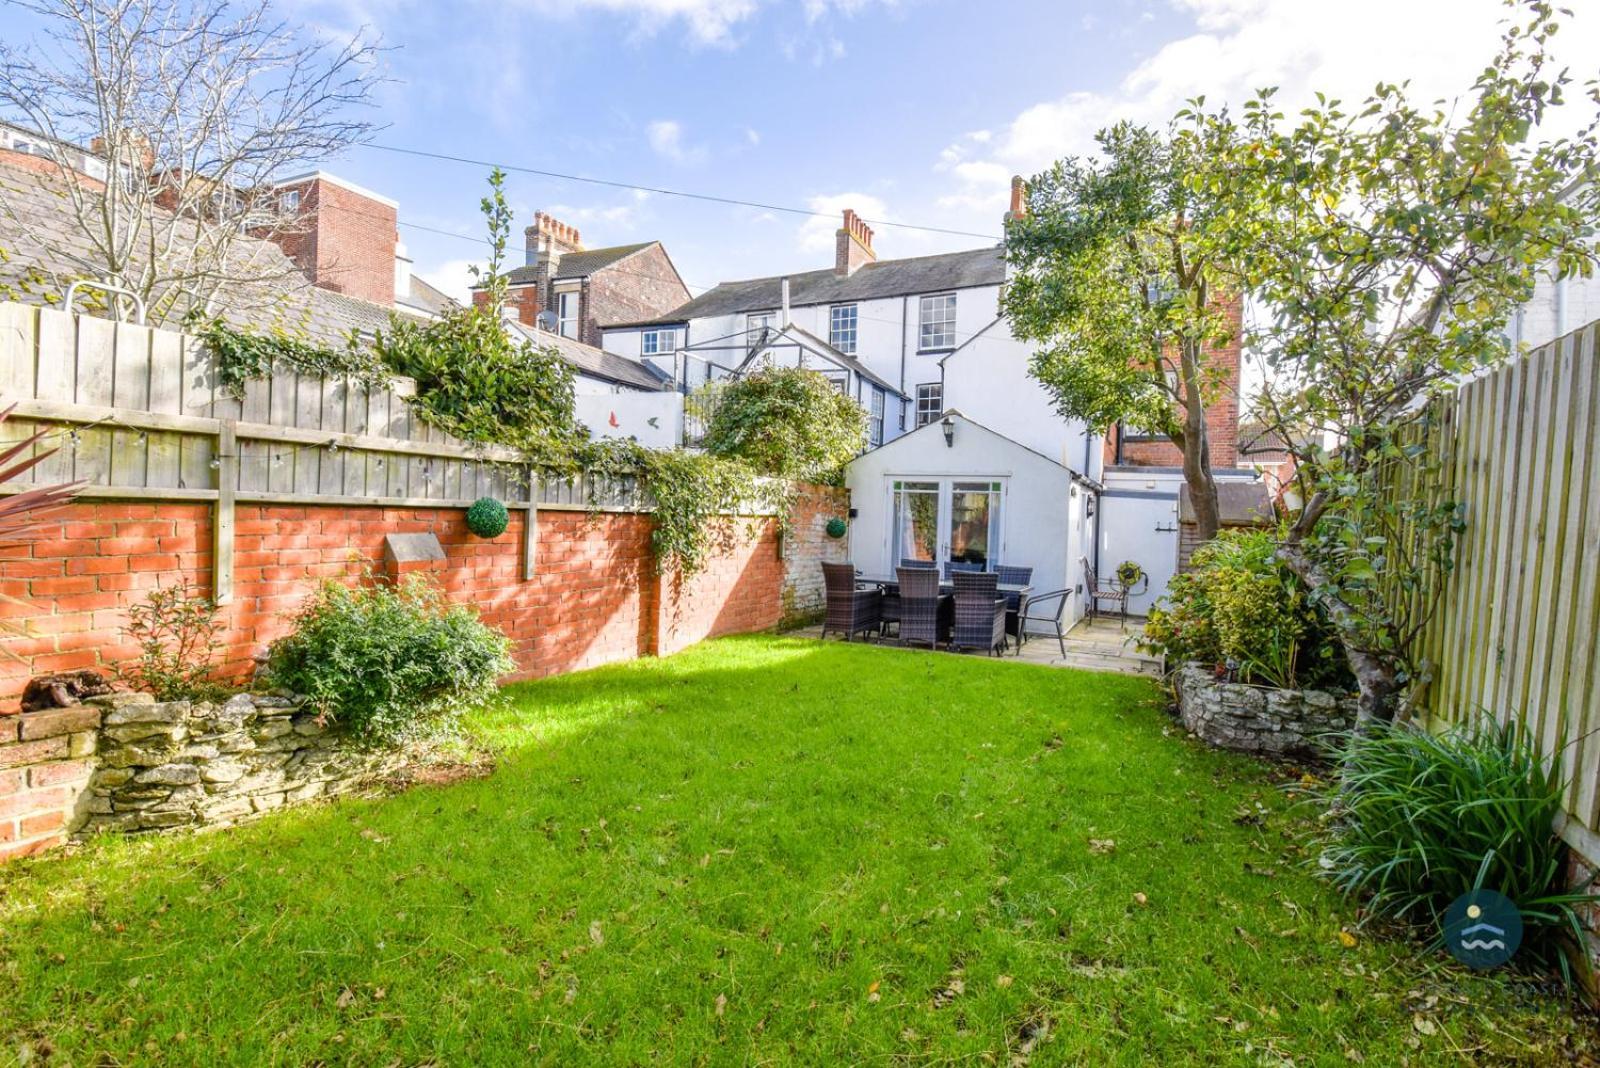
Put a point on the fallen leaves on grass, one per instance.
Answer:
(1101, 846)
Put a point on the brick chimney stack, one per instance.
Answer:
(852, 245)
(346, 238)
(550, 238)
(1019, 198)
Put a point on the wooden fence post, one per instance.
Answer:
(222, 520)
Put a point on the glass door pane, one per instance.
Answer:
(975, 524)
(916, 523)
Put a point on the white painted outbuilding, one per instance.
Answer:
(954, 489)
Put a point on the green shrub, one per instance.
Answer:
(1239, 607)
(178, 634)
(391, 663)
(1420, 819)
(487, 518)
(786, 422)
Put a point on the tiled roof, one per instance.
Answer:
(885, 278)
(579, 264)
(39, 234)
(596, 363)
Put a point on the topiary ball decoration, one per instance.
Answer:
(835, 527)
(487, 518)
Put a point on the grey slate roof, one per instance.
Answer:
(885, 278)
(596, 363)
(426, 298)
(580, 264)
(38, 233)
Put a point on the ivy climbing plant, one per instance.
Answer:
(480, 382)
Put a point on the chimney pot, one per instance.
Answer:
(852, 245)
(1019, 197)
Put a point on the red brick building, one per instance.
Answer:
(581, 290)
(1128, 448)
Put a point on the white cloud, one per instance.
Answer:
(1243, 45)
(752, 136)
(666, 137)
(709, 22)
(816, 234)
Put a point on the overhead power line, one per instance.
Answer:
(708, 197)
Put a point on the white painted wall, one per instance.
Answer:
(986, 378)
(1040, 510)
(1139, 522)
(1558, 306)
(633, 412)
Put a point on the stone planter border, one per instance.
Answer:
(1263, 720)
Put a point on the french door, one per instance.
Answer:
(945, 520)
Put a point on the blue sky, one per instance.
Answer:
(908, 110)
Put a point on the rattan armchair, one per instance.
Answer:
(980, 612)
(925, 614)
(850, 610)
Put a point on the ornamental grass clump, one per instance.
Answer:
(1419, 819)
(392, 664)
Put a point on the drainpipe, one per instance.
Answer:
(904, 305)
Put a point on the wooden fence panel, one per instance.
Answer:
(1515, 631)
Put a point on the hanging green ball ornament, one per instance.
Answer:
(836, 527)
(487, 518)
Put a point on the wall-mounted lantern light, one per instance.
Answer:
(949, 426)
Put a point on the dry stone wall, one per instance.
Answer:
(169, 764)
(1260, 719)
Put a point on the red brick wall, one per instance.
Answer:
(643, 286)
(346, 242)
(1222, 415)
(595, 596)
(46, 759)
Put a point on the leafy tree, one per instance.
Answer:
(1388, 246)
(787, 422)
(474, 378)
(197, 107)
(1116, 281)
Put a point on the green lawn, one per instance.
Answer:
(760, 851)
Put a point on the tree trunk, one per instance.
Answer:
(1376, 682)
(1197, 448)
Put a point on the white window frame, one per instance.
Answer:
(925, 391)
(1000, 488)
(659, 342)
(938, 312)
(289, 202)
(875, 410)
(754, 324)
(844, 337)
(567, 312)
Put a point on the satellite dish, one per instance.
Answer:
(547, 320)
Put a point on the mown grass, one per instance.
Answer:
(761, 851)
